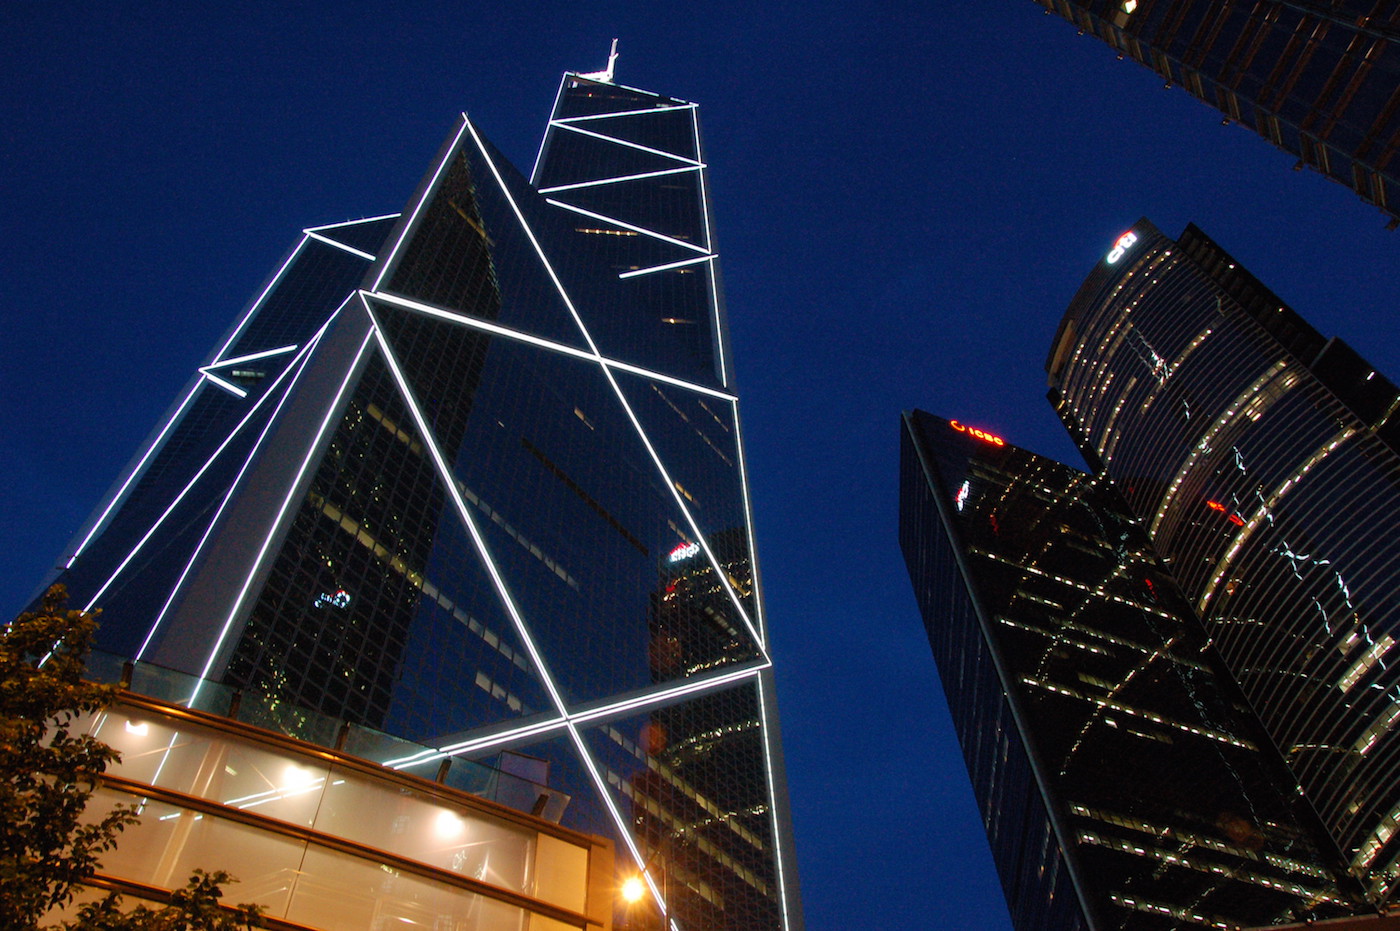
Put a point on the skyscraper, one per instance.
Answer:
(1262, 459)
(442, 478)
(1319, 80)
(1123, 783)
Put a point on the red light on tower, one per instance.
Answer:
(982, 435)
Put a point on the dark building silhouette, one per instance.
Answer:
(1320, 80)
(1261, 457)
(1122, 779)
(430, 482)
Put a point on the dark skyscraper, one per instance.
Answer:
(1122, 780)
(472, 476)
(1319, 80)
(1262, 459)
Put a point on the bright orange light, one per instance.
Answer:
(633, 889)
(980, 434)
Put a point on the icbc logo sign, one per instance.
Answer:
(1121, 246)
(980, 434)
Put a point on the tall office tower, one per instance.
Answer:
(1262, 460)
(1320, 80)
(472, 476)
(1122, 780)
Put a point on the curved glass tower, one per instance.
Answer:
(1262, 459)
(472, 476)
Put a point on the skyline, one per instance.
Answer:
(878, 217)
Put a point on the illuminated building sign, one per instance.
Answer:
(341, 599)
(684, 551)
(1121, 246)
(980, 434)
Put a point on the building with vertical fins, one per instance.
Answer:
(469, 479)
(1264, 461)
(1123, 781)
(1319, 80)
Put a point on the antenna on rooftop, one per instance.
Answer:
(604, 76)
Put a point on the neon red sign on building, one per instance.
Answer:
(982, 435)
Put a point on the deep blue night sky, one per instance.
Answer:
(907, 198)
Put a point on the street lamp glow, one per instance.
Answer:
(633, 889)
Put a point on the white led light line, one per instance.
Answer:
(155, 444)
(667, 267)
(272, 418)
(428, 191)
(340, 245)
(287, 500)
(773, 803)
(620, 178)
(336, 226)
(228, 386)
(266, 353)
(628, 226)
(478, 323)
(539, 153)
(480, 743)
(748, 515)
(197, 476)
(607, 116)
(704, 200)
(623, 142)
(622, 398)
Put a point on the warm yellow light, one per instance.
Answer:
(633, 889)
(1129, 5)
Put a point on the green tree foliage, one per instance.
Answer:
(47, 775)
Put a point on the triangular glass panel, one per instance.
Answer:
(450, 260)
(581, 526)
(667, 129)
(665, 204)
(577, 155)
(582, 97)
(365, 235)
(376, 568)
(691, 779)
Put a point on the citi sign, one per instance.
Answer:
(1121, 246)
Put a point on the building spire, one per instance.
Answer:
(607, 75)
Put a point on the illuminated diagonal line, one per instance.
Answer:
(479, 542)
(175, 417)
(228, 386)
(748, 516)
(428, 192)
(389, 297)
(336, 226)
(773, 802)
(721, 350)
(704, 199)
(607, 116)
(719, 327)
(252, 357)
(628, 226)
(622, 399)
(623, 142)
(667, 267)
(286, 501)
(544, 140)
(660, 696)
(193, 481)
(635, 90)
(199, 547)
(619, 179)
(340, 245)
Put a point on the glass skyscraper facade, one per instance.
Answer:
(1122, 779)
(471, 475)
(1262, 459)
(1319, 80)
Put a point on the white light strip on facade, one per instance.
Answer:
(287, 500)
(336, 226)
(389, 297)
(619, 179)
(748, 516)
(228, 496)
(667, 267)
(607, 116)
(186, 490)
(481, 743)
(174, 418)
(628, 226)
(773, 802)
(622, 398)
(704, 199)
(721, 349)
(266, 353)
(413, 217)
(544, 140)
(340, 245)
(719, 327)
(623, 142)
(228, 386)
